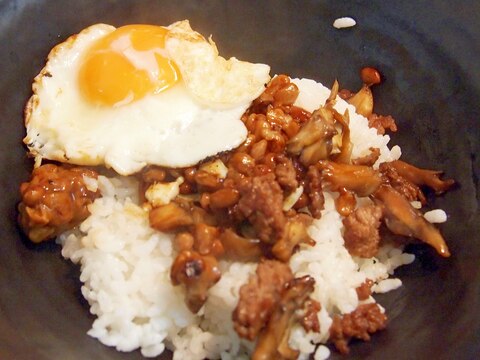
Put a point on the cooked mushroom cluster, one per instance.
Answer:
(255, 204)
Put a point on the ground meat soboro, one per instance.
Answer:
(259, 297)
(54, 200)
(285, 173)
(382, 123)
(364, 290)
(261, 201)
(365, 320)
(314, 192)
(309, 320)
(361, 235)
(409, 190)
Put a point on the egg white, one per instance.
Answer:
(172, 128)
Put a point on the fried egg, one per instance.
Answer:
(139, 95)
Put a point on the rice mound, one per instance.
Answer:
(125, 269)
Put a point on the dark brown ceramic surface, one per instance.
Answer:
(428, 52)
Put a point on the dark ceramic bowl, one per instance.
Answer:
(427, 52)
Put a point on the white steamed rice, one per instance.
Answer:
(125, 269)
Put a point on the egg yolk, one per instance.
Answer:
(126, 65)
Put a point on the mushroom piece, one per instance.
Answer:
(402, 218)
(347, 146)
(363, 101)
(314, 140)
(273, 340)
(362, 180)
(368, 160)
(240, 248)
(198, 273)
(207, 240)
(422, 177)
(169, 217)
(294, 234)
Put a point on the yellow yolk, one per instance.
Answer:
(126, 65)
